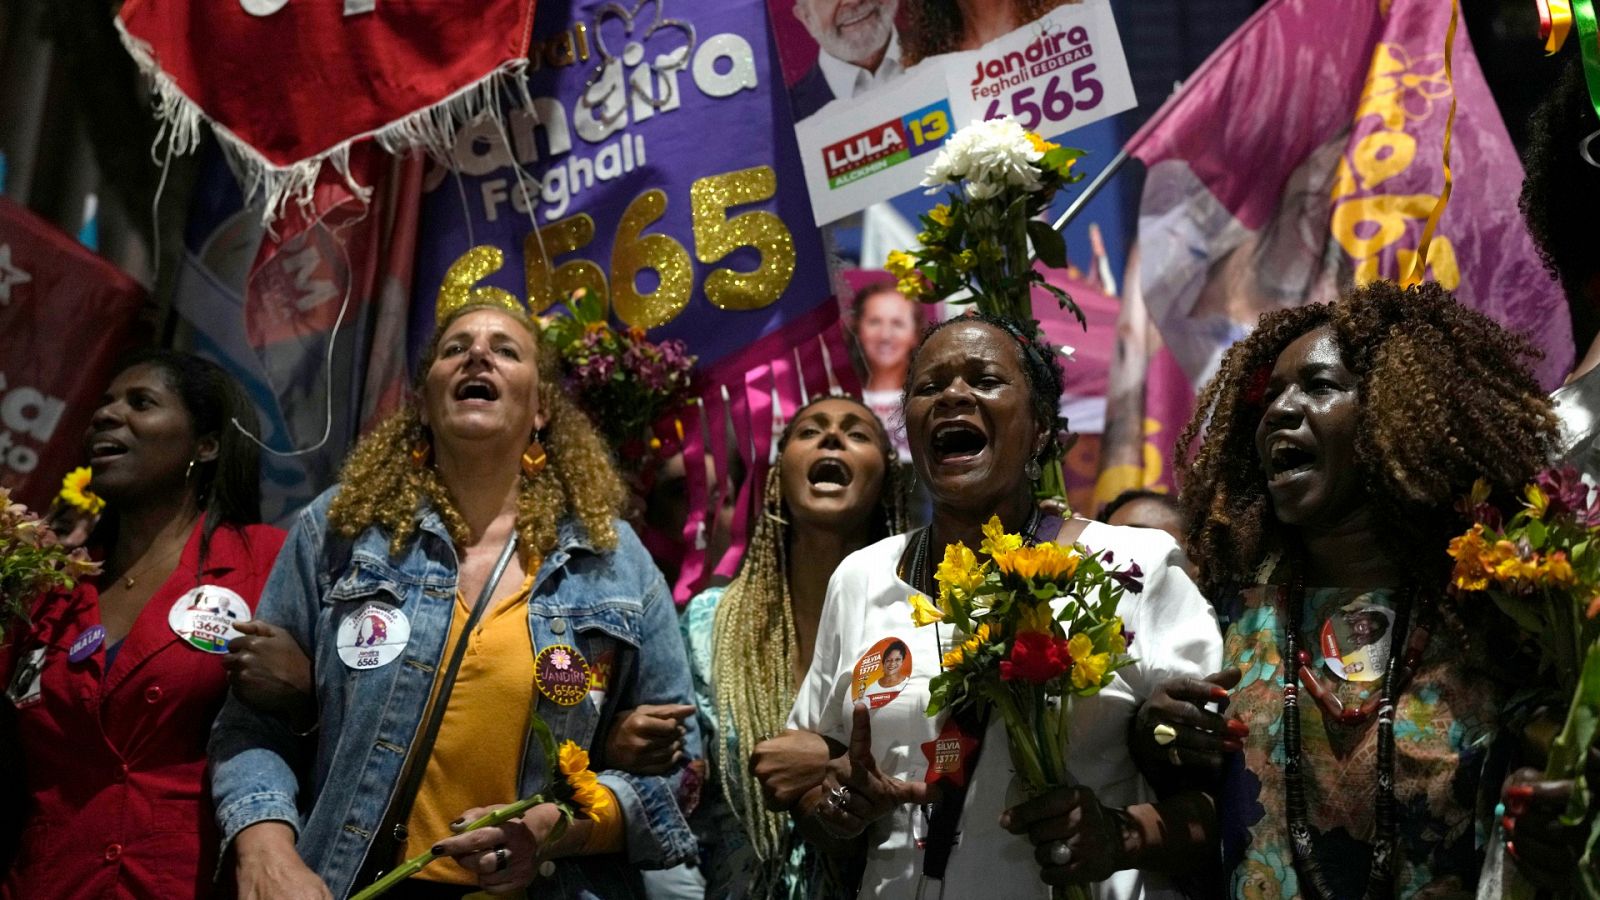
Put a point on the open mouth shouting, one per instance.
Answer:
(829, 475)
(477, 388)
(1287, 459)
(957, 442)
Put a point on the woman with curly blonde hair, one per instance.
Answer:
(467, 574)
(1335, 444)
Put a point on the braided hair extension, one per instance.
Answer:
(753, 646)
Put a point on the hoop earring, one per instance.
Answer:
(1033, 470)
(534, 458)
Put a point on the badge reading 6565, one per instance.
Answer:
(375, 635)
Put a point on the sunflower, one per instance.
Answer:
(75, 491)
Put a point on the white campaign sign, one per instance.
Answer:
(1057, 73)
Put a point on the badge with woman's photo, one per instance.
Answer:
(561, 674)
(203, 618)
(26, 688)
(1355, 641)
(880, 674)
(375, 635)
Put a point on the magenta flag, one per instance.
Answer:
(1305, 156)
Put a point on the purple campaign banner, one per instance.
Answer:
(660, 165)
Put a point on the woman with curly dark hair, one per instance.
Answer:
(1334, 444)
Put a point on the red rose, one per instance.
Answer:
(1036, 658)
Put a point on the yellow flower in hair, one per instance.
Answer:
(75, 491)
(959, 571)
(995, 539)
(1088, 667)
(924, 612)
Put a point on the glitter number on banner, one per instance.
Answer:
(716, 235)
(546, 286)
(632, 252)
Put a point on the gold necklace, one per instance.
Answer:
(129, 579)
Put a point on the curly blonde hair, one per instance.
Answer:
(1446, 398)
(382, 485)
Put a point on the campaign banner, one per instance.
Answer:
(653, 168)
(1301, 159)
(876, 88)
(649, 160)
(65, 315)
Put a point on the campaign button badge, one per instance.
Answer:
(562, 674)
(87, 643)
(375, 635)
(203, 618)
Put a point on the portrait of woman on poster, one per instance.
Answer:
(887, 326)
(950, 26)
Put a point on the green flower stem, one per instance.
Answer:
(421, 861)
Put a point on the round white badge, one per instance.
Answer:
(373, 636)
(203, 618)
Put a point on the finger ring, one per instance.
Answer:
(1173, 757)
(1165, 734)
(547, 868)
(1060, 853)
(840, 795)
(502, 858)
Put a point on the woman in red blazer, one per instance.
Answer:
(111, 687)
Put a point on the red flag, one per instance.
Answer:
(290, 85)
(65, 314)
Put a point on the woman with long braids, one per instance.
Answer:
(112, 686)
(467, 573)
(1334, 446)
(831, 493)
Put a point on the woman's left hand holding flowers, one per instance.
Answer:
(1545, 850)
(505, 857)
(1076, 838)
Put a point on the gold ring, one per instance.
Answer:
(1165, 734)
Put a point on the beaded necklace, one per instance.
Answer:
(1380, 876)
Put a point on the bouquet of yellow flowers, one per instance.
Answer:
(1541, 568)
(1036, 626)
(572, 787)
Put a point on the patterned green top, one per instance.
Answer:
(1445, 722)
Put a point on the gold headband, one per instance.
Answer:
(457, 292)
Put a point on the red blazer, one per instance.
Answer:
(117, 801)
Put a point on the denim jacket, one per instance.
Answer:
(602, 602)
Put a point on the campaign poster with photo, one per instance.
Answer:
(877, 86)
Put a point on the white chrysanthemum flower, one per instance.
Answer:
(990, 156)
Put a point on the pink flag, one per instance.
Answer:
(1306, 155)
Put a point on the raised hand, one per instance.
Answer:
(857, 793)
